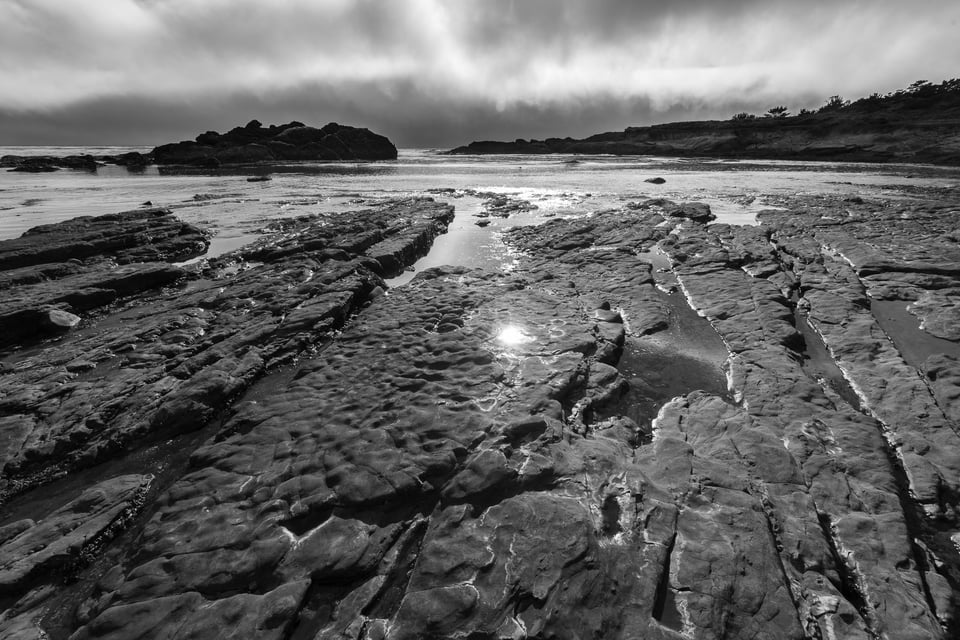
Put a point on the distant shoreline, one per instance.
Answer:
(915, 125)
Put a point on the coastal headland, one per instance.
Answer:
(653, 426)
(919, 125)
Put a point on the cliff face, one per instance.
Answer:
(918, 126)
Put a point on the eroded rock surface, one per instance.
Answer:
(168, 363)
(30, 548)
(566, 450)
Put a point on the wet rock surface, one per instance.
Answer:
(497, 205)
(578, 448)
(54, 270)
(141, 235)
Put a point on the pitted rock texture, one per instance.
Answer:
(168, 362)
(562, 451)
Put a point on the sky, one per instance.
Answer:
(440, 73)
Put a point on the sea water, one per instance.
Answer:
(236, 210)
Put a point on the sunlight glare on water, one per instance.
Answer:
(235, 209)
(512, 335)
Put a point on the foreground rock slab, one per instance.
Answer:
(584, 447)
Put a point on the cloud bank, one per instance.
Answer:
(439, 72)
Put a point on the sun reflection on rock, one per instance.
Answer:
(512, 335)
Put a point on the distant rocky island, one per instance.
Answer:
(250, 144)
(916, 124)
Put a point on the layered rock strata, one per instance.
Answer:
(845, 522)
(563, 451)
(169, 361)
(52, 271)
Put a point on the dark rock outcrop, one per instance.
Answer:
(132, 236)
(32, 165)
(255, 143)
(132, 160)
(54, 271)
(251, 144)
(44, 164)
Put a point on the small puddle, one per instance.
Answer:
(464, 243)
(818, 364)
(467, 244)
(220, 245)
(913, 343)
(687, 356)
(670, 613)
(689, 333)
(656, 373)
(665, 609)
(663, 275)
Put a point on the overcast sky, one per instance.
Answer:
(438, 73)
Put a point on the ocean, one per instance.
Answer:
(236, 210)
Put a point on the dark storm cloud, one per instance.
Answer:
(441, 72)
(149, 121)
